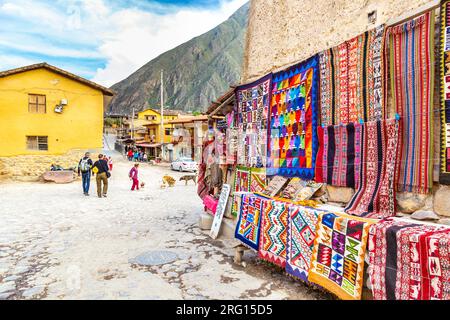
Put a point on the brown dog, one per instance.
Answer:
(189, 177)
(169, 180)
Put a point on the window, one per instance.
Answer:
(36, 103)
(150, 118)
(37, 143)
(168, 131)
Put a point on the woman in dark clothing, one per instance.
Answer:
(103, 174)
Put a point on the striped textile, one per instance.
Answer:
(411, 49)
(444, 176)
(338, 157)
(248, 225)
(375, 197)
(351, 80)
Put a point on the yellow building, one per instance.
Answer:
(151, 119)
(46, 111)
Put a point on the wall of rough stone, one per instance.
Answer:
(29, 168)
(284, 32)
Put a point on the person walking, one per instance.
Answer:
(102, 171)
(134, 177)
(84, 169)
(110, 163)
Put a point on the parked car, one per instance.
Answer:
(184, 164)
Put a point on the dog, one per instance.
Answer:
(169, 180)
(189, 177)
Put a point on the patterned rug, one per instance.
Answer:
(293, 121)
(248, 226)
(252, 112)
(274, 232)
(301, 233)
(258, 180)
(409, 261)
(375, 197)
(338, 158)
(337, 261)
(444, 176)
(411, 48)
(351, 80)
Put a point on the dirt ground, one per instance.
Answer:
(55, 243)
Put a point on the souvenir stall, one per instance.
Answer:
(358, 115)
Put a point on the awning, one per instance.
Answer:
(148, 145)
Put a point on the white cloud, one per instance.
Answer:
(124, 38)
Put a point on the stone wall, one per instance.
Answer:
(30, 168)
(285, 32)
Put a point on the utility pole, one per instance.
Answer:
(132, 125)
(162, 114)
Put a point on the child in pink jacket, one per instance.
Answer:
(134, 177)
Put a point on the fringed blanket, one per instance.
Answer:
(258, 180)
(351, 80)
(248, 226)
(272, 246)
(338, 158)
(337, 261)
(301, 233)
(411, 48)
(409, 261)
(252, 111)
(375, 197)
(293, 121)
(444, 176)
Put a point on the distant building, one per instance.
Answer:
(46, 111)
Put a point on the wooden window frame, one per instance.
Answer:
(40, 143)
(36, 106)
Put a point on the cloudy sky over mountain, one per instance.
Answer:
(102, 40)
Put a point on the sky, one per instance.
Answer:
(102, 40)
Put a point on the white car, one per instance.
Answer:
(184, 164)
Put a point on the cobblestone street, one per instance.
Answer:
(57, 244)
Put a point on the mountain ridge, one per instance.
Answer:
(195, 72)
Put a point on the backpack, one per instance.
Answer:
(84, 165)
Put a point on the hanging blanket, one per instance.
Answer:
(203, 188)
(301, 233)
(337, 261)
(375, 197)
(252, 110)
(409, 261)
(248, 226)
(273, 238)
(444, 176)
(338, 158)
(293, 121)
(242, 179)
(351, 80)
(258, 181)
(412, 72)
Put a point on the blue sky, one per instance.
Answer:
(102, 40)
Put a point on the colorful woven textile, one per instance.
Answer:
(252, 110)
(232, 145)
(258, 180)
(411, 48)
(351, 80)
(301, 233)
(293, 121)
(248, 226)
(444, 176)
(338, 158)
(337, 261)
(273, 238)
(375, 197)
(242, 179)
(409, 261)
(203, 188)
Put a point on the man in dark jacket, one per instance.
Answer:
(102, 176)
(84, 169)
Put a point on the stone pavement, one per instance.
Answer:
(57, 244)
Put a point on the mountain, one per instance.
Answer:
(195, 73)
